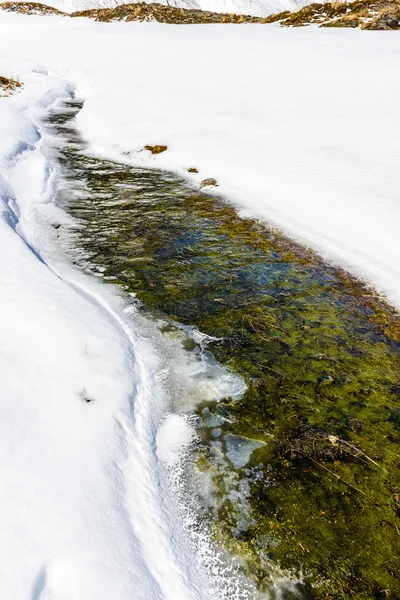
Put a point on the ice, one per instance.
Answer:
(173, 439)
(239, 449)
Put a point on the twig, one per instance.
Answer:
(363, 453)
(271, 370)
(266, 324)
(337, 476)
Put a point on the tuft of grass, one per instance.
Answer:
(158, 149)
(8, 86)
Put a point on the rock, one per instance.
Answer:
(193, 170)
(387, 21)
(209, 181)
(156, 149)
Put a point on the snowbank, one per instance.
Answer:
(85, 508)
(58, 472)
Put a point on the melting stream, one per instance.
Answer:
(297, 462)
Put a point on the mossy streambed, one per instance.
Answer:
(305, 466)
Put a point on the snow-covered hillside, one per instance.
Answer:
(258, 8)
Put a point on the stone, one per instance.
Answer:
(209, 181)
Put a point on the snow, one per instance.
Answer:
(173, 438)
(299, 126)
(58, 453)
(86, 512)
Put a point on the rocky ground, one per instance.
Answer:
(365, 14)
(163, 14)
(30, 8)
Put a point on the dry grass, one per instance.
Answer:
(158, 149)
(162, 14)
(8, 86)
(30, 8)
(365, 14)
(387, 18)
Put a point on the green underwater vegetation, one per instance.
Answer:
(305, 466)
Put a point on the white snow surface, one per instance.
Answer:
(299, 127)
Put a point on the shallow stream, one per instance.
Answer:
(298, 469)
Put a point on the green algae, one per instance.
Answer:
(320, 355)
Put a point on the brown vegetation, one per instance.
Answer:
(8, 86)
(366, 14)
(158, 149)
(30, 8)
(162, 14)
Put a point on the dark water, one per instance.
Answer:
(306, 465)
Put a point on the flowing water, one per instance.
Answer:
(288, 368)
